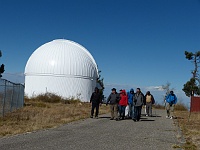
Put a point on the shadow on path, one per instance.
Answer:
(104, 117)
(146, 120)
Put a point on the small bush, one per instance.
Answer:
(40, 104)
(181, 107)
(189, 146)
(49, 97)
(26, 98)
(158, 106)
(71, 100)
(176, 146)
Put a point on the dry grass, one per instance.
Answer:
(180, 107)
(158, 106)
(190, 125)
(41, 113)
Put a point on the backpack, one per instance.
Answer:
(152, 99)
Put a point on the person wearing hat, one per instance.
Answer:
(96, 100)
(171, 100)
(113, 100)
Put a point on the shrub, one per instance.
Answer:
(158, 106)
(181, 107)
(47, 97)
(71, 100)
(51, 98)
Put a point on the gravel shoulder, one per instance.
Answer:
(152, 133)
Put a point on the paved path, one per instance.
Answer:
(155, 133)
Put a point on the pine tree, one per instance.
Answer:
(192, 86)
(100, 82)
(2, 66)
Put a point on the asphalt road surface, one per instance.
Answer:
(151, 133)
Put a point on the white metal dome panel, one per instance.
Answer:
(65, 87)
(61, 57)
(62, 67)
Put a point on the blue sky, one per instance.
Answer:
(136, 43)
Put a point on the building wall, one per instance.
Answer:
(195, 104)
(64, 86)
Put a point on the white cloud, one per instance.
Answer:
(154, 88)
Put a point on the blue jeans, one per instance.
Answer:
(137, 112)
(122, 111)
(131, 111)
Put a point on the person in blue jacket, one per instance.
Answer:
(130, 94)
(171, 100)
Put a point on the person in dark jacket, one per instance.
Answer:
(113, 99)
(96, 101)
(149, 101)
(122, 104)
(138, 102)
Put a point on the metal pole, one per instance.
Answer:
(22, 92)
(20, 96)
(4, 99)
(190, 108)
(17, 96)
(12, 97)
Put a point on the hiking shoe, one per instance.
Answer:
(117, 119)
(121, 118)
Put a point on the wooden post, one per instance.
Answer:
(190, 108)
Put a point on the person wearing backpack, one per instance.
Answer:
(171, 100)
(149, 101)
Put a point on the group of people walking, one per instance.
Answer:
(133, 101)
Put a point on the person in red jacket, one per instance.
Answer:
(122, 104)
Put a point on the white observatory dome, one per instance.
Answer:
(62, 67)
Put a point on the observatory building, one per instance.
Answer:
(62, 67)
